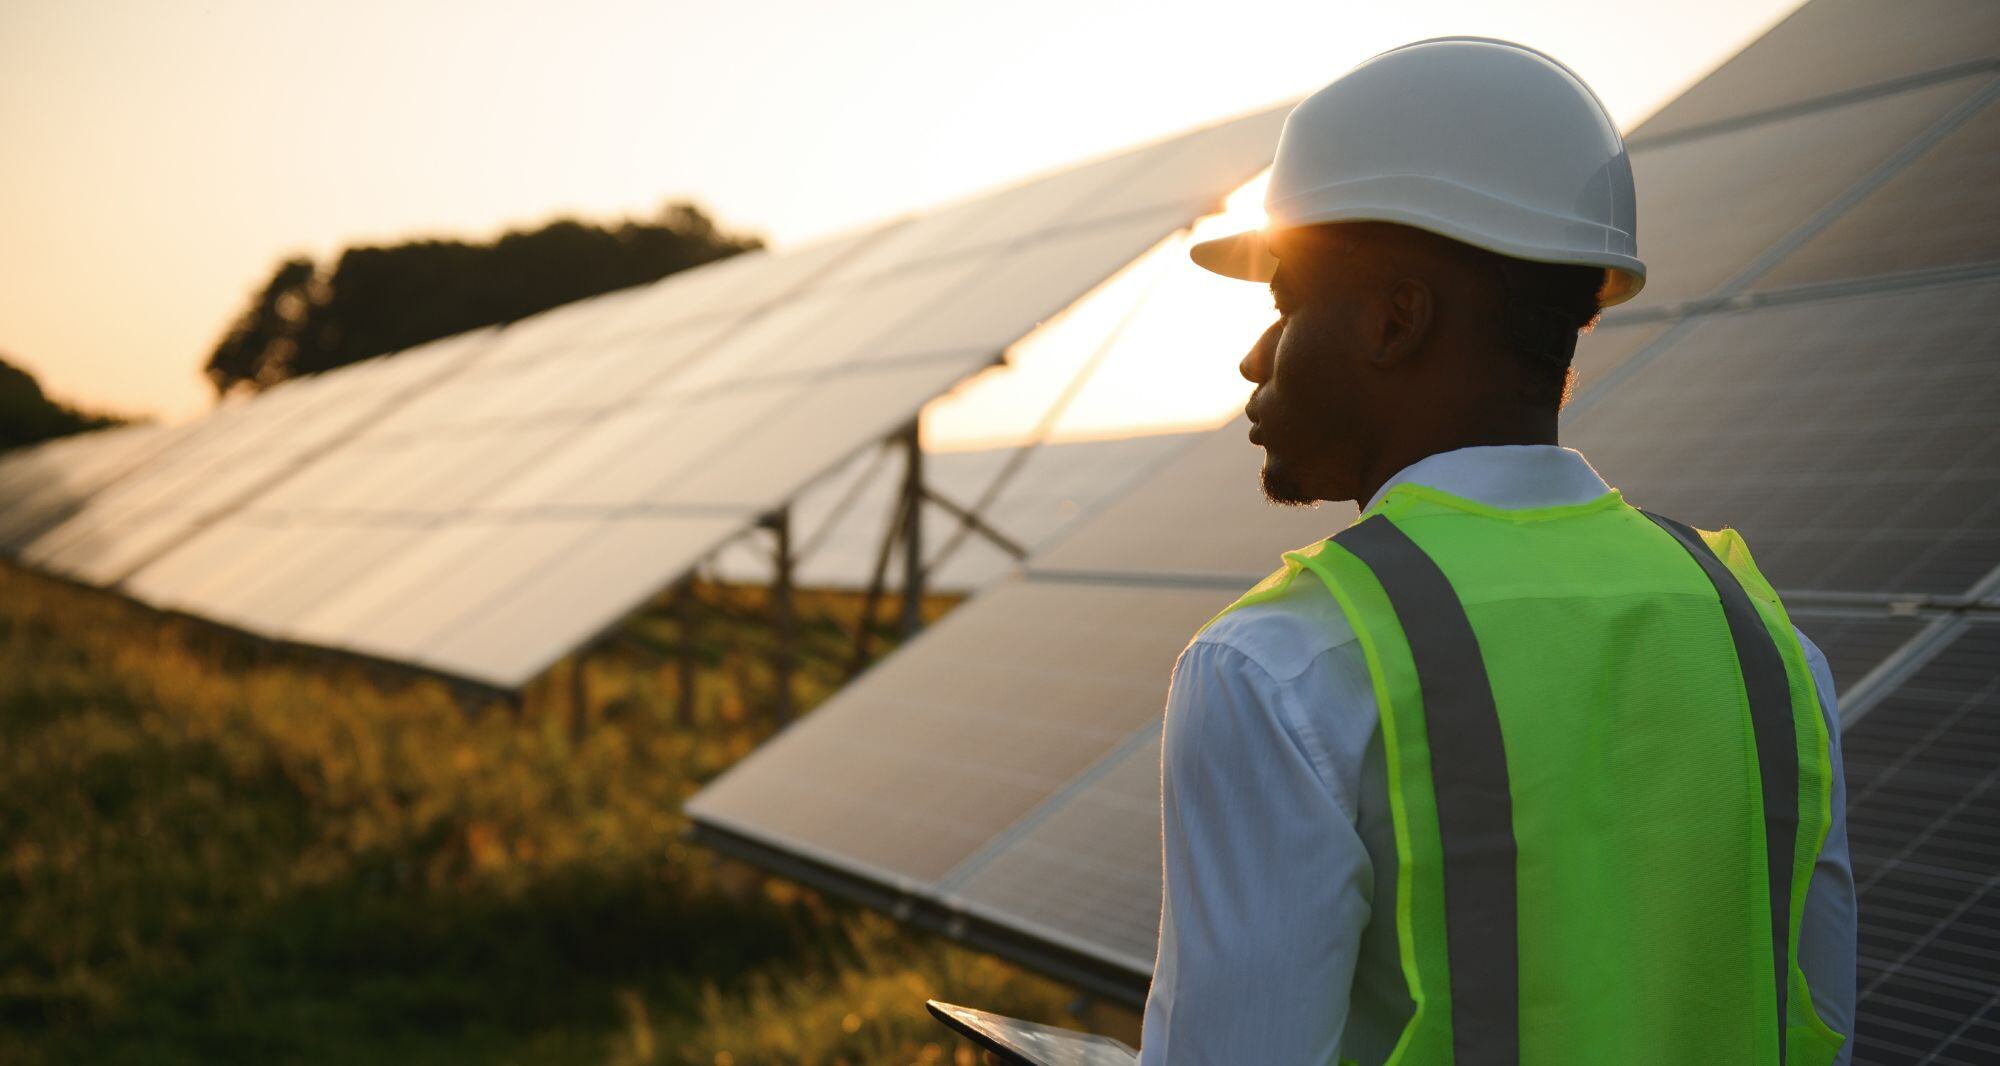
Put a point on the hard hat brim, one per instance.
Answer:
(1243, 256)
(1247, 257)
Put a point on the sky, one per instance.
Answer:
(161, 158)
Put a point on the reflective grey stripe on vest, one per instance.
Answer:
(1770, 694)
(1475, 810)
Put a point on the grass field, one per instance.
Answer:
(212, 851)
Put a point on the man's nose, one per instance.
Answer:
(1256, 366)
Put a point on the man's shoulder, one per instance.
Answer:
(1283, 634)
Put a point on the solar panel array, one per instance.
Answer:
(484, 505)
(1815, 360)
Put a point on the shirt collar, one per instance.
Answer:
(1508, 476)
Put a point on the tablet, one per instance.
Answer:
(1020, 1043)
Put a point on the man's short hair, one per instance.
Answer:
(1546, 306)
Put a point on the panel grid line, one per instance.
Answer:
(978, 860)
(1827, 102)
(1895, 966)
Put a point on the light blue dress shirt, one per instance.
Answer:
(1278, 841)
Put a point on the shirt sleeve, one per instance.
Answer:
(1266, 882)
(1827, 932)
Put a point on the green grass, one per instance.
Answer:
(213, 851)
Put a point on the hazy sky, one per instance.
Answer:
(160, 157)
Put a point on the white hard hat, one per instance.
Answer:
(1483, 141)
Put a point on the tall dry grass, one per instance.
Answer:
(212, 851)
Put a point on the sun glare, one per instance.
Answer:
(1241, 210)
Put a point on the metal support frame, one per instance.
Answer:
(905, 531)
(878, 580)
(684, 651)
(969, 521)
(579, 695)
(784, 652)
(913, 532)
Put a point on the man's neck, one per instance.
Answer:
(1390, 462)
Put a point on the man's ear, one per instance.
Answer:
(1406, 321)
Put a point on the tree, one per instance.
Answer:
(27, 415)
(260, 346)
(376, 299)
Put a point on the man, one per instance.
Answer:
(1508, 771)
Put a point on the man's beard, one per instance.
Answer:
(1279, 486)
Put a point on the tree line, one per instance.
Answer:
(28, 415)
(373, 299)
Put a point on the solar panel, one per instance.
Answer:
(1856, 443)
(43, 485)
(213, 558)
(217, 465)
(1195, 168)
(579, 322)
(1083, 870)
(1200, 517)
(1607, 347)
(457, 566)
(512, 635)
(619, 461)
(298, 564)
(1010, 697)
(1938, 212)
(1027, 287)
(1923, 780)
(824, 423)
(1732, 195)
(1185, 177)
(1831, 47)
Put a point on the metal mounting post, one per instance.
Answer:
(913, 532)
(684, 651)
(784, 653)
(579, 696)
(864, 629)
